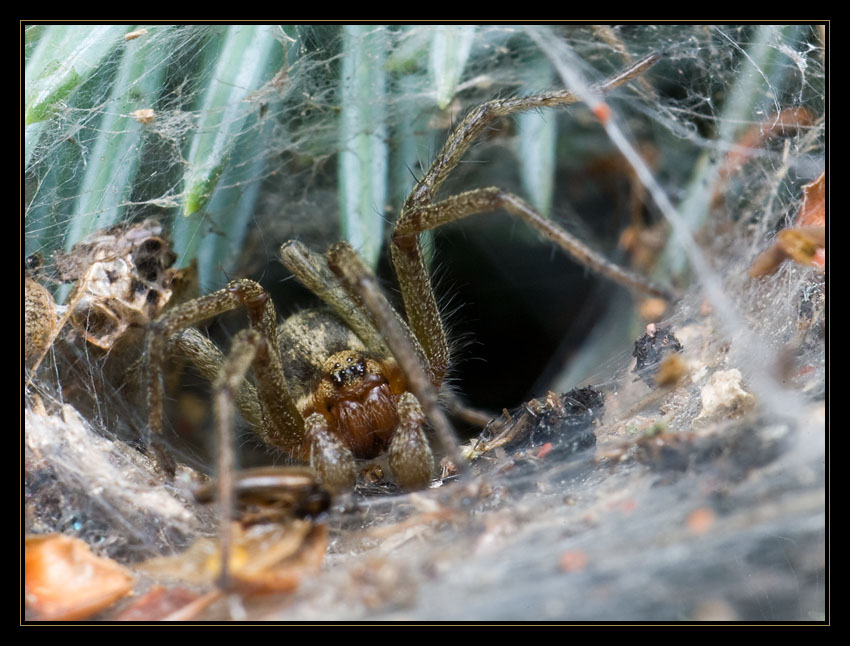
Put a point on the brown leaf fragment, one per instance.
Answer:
(265, 558)
(767, 262)
(671, 371)
(158, 604)
(804, 243)
(65, 581)
(813, 210)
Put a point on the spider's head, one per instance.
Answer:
(345, 368)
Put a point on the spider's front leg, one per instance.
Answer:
(420, 213)
(331, 461)
(410, 455)
(269, 406)
(280, 422)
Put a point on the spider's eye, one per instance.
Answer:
(345, 375)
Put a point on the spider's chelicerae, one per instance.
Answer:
(356, 380)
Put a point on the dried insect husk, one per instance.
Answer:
(565, 420)
(124, 279)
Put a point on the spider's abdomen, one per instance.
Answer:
(357, 395)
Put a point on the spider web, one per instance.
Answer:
(318, 133)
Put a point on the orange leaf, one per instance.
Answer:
(65, 581)
(805, 242)
(813, 212)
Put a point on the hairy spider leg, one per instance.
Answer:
(420, 213)
(282, 425)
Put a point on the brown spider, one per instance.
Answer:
(357, 380)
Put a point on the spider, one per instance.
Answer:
(356, 380)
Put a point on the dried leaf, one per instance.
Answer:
(805, 243)
(812, 212)
(168, 604)
(802, 245)
(767, 262)
(158, 604)
(65, 581)
(265, 558)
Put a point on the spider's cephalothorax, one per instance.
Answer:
(337, 377)
(357, 380)
(358, 398)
